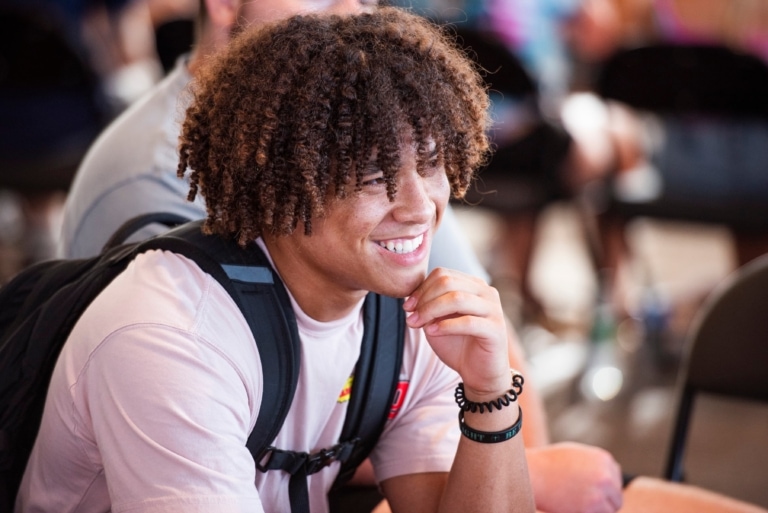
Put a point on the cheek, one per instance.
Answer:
(355, 217)
(441, 192)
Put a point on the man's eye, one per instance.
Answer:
(373, 180)
(433, 164)
(434, 159)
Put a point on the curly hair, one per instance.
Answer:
(290, 114)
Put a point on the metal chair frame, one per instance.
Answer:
(727, 352)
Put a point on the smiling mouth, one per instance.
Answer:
(402, 247)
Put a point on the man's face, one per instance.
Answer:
(367, 242)
(265, 11)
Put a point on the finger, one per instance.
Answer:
(452, 296)
(472, 324)
(440, 281)
(616, 492)
(615, 499)
(451, 305)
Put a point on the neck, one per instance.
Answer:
(319, 297)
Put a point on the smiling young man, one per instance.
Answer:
(131, 168)
(334, 143)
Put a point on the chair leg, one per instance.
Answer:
(674, 469)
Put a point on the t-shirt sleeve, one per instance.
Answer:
(171, 415)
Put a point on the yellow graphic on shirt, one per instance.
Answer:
(346, 391)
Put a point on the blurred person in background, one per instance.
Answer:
(602, 26)
(66, 68)
(708, 158)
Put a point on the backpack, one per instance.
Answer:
(39, 307)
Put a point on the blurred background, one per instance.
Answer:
(629, 180)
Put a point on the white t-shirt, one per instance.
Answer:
(159, 385)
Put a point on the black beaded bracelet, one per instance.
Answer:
(505, 400)
(485, 437)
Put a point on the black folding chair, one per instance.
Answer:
(523, 174)
(690, 82)
(727, 353)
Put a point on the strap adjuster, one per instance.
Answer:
(321, 459)
(292, 462)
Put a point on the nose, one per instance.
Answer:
(415, 202)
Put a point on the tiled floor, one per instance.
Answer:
(728, 449)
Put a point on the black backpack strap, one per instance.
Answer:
(133, 225)
(245, 273)
(375, 382)
(376, 378)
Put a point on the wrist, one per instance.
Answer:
(489, 388)
(502, 422)
(472, 401)
(487, 429)
(484, 396)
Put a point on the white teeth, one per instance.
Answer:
(405, 246)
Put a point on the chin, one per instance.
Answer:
(404, 288)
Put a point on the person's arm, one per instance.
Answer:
(85, 231)
(464, 323)
(120, 37)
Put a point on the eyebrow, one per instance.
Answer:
(371, 167)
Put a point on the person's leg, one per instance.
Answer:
(516, 246)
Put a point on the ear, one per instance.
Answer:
(222, 13)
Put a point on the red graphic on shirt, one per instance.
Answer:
(397, 403)
(346, 392)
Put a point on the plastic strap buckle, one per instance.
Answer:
(321, 459)
(293, 461)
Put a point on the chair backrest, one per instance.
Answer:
(703, 94)
(727, 351)
(678, 79)
(51, 100)
(505, 70)
(528, 149)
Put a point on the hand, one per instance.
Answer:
(574, 478)
(462, 318)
